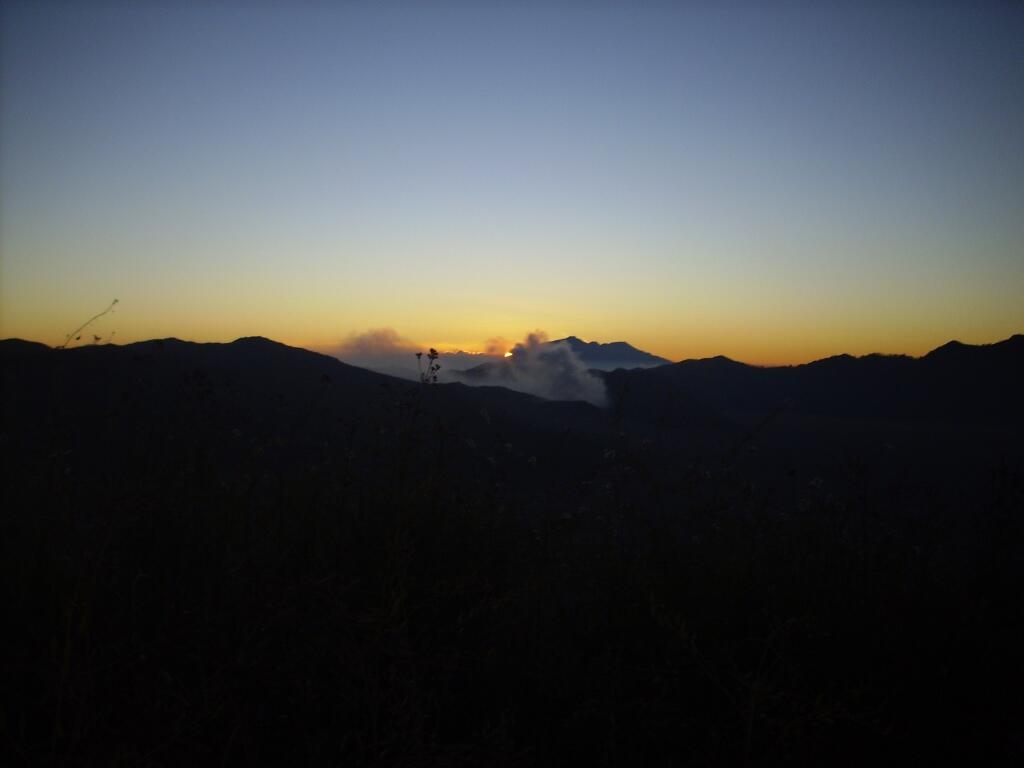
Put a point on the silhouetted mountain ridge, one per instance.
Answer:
(595, 355)
(951, 383)
(270, 392)
(610, 355)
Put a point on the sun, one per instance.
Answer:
(509, 353)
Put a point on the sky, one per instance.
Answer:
(776, 182)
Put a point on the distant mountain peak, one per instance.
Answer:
(953, 351)
(717, 360)
(610, 355)
(955, 348)
(841, 359)
(954, 344)
(257, 341)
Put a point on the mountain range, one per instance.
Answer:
(926, 405)
(953, 382)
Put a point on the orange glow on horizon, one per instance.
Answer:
(743, 334)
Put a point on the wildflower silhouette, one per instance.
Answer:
(429, 376)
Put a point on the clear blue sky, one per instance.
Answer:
(773, 184)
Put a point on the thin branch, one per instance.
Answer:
(75, 333)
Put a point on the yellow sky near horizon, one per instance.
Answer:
(761, 340)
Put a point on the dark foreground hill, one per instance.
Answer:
(954, 383)
(957, 406)
(249, 553)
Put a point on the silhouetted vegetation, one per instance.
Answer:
(252, 554)
(428, 375)
(76, 334)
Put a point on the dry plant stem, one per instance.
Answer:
(74, 334)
